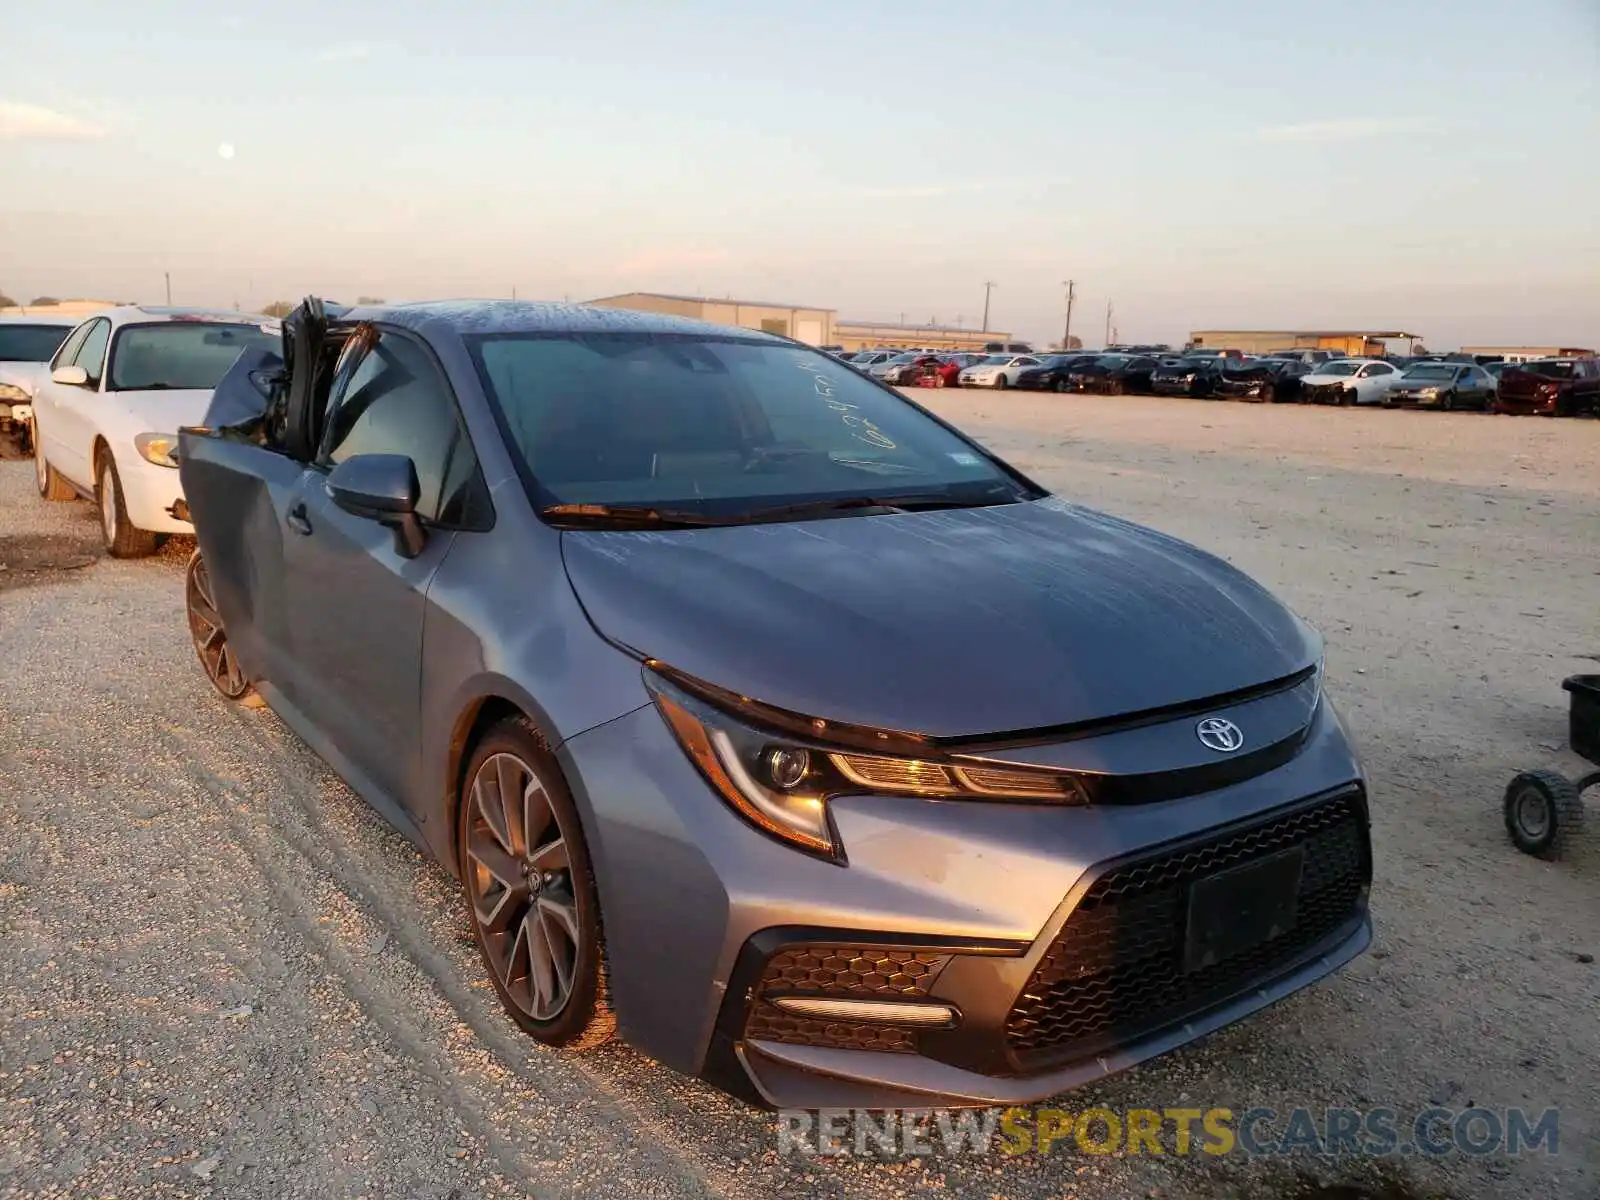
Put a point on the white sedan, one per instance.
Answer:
(106, 417)
(1349, 381)
(26, 344)
(997, 371)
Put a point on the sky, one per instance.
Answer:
(1431, 165)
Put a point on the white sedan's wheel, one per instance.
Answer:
(122, 538)
(51, 485)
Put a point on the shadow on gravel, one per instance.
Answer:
(27, 559)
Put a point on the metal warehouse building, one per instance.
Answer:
(887, 335)
(1356, 342)
(799, 321)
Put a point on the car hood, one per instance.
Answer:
(164, 411)
(945, 623)
(24, 375)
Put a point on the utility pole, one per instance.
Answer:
(987, 288)
(1108, 340)
(1066, 334)
(513, 291)
(168, 277)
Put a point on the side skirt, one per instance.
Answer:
(384, 804)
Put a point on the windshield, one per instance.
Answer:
(1113, 360)
(681, 420)
(1431, 371)
(1339, 368)
(31, 343)
(1551, 370)
(180, 354)
(996, 360)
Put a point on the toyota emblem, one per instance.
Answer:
(1220, 735)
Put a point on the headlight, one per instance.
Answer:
(10, 393)
(780, 778)
(157, 448)
(1429, 392)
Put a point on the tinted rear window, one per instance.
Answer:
(31, 343)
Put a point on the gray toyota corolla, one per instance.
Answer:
(768, 721)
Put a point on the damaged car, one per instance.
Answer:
(769, 722)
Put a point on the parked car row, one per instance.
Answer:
(1554, 387)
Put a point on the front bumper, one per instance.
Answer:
(1173, 387)
(1039, 925)
(1327, 393)
(151, 494)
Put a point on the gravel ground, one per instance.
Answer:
(221, 974)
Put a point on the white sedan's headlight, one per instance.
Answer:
(157, 448)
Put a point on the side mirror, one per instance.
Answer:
(70, 376)
(382, 488)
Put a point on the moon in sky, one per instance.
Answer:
(225, 150)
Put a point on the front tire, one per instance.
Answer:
(530, 890)
(210, 639)
(48, 480)
(122, 538)
(1000, 383)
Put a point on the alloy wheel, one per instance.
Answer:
(519, 881)
(210, 638)
(41, 472)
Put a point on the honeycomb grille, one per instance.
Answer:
(1116, 972)
(871, 972)
(854, 972)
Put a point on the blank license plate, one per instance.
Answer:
(1234, 910)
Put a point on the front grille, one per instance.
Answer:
(841, 972)
(1115, 972)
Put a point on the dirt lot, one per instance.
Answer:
(221, 974)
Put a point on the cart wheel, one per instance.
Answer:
(1543, 813)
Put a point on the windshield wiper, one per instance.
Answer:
(627, 515)
(668, 518)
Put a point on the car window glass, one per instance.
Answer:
(91, 355)
(620, 418)
(69, 348)
(395, 402)
(31, 343)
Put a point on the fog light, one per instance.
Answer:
(788, 766)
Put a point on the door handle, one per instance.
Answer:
(297, 519)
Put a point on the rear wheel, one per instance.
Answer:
(210, 638)
(123, 539)
(530, 891)
(47, 478)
